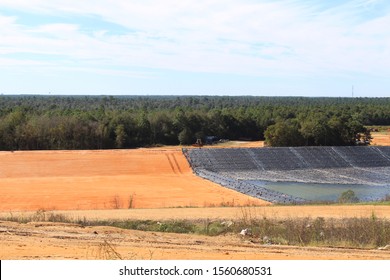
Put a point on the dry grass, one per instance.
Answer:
(363, 232)
(107, 250)
(382, 137)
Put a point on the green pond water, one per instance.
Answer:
(325, 192)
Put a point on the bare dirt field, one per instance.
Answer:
(380, 138)
(239, 144)
(110, 179)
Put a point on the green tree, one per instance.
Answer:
(314, 130)
(186, 137)
(348, 196)
(284, 134)
(120, 136)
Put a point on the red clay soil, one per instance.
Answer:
(107, 179)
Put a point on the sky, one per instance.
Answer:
(195, 47)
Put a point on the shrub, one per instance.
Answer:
(348, 197)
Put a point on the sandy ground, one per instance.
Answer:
(45, 240)
(109, 179)
(66, 241)
(239, 144)
(380, 138)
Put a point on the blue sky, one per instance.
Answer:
(202, 47)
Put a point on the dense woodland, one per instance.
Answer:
(29, 122)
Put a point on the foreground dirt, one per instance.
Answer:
(44, 240)
(66, 241)
(109, 179)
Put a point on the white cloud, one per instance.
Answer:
(282, 38)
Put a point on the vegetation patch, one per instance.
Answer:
(369, 232)
(106, 122)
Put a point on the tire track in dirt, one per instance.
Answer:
(177, 164)
(170, 163)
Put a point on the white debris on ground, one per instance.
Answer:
(387, 247)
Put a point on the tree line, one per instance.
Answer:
(36, 122)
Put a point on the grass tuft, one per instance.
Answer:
(371, 232)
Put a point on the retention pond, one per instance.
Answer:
(325, 192)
